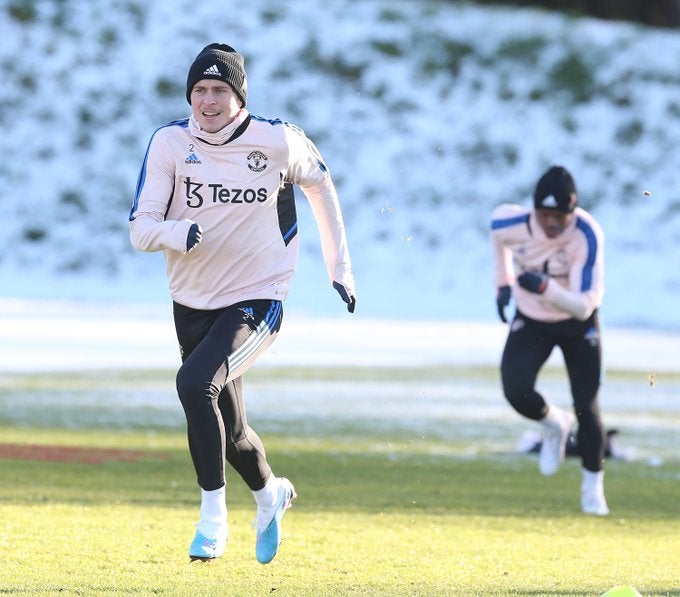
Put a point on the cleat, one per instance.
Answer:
(269, 524)
(209, 542)
(554, 443)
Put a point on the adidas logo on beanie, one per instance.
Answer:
(556, 190)
(221, 62)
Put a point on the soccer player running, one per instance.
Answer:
(551, 258)
(215, 194)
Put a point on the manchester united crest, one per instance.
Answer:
(257, 161)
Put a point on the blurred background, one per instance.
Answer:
(429, 113)
(660, 13)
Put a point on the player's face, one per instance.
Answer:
(214, 104)
(553, 222)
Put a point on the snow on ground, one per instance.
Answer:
(40, 336)
(49, 336)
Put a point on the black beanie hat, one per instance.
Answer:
(556, 190)
(221, 62)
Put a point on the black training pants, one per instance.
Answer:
(528, 347)
(218, 346)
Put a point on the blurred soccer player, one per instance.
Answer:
(550, 257)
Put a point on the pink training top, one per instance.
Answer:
(236, 192)
(574, 261)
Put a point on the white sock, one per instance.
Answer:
(553, 417)
(214, 504)
(268, 495)
(592, 480)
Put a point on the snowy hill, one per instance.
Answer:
(428, 114)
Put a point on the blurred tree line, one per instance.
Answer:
(658, 13)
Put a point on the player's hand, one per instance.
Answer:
(502, 301)
(532, 282)
(194, 236)
(345, 296)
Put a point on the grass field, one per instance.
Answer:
(405, 488)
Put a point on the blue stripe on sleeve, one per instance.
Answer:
(184, 123)
(505, 222)
(299, 131)
(591, 242)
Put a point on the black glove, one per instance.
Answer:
(345, 296)
(194, 236)
(502, 301)
(532, 282)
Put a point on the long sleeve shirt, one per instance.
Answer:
(574, 262)
(240, 193)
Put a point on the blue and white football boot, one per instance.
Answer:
(268, 523)
(210, 540)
